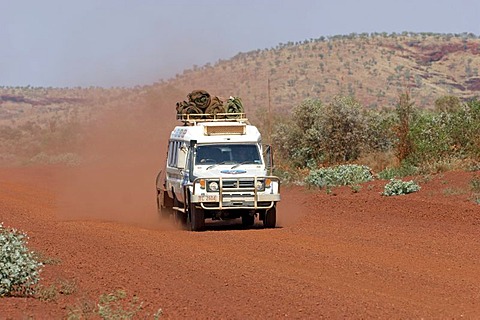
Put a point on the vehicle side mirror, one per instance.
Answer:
(191, 152)
(268, 156)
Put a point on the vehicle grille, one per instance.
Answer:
(237, 184)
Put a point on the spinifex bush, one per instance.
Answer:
(116, 306)
(398, 187)
(341, 175)
(19, 270)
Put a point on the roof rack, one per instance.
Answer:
(193, 119)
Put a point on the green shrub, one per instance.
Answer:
(398, 187)
(342, 131)
(447, 134)
(290, 175)
(326, 133)
(341, 175)
(19, 270)
(405, 112)
(404, 170)
(379, 136)
(296, 138)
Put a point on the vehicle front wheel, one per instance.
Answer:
(248, 220)
(270, 219)
(197, 218)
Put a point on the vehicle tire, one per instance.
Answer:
(270, 219)
(261, 215)
(180, 217)
(166, 212)
(248, 220)
(197, 218)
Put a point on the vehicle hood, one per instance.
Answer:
(230, 171)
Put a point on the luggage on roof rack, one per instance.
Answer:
(201, 105)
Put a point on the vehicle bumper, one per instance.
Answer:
(236, 198)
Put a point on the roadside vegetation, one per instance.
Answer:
(398, 187)
(112, 306)
(396, 142)
(19, 269)
(475, 186)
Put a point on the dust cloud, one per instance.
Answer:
(124, 150)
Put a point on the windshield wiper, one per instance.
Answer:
(215, 164)
(244, 162)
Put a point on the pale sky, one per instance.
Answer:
(67, 43)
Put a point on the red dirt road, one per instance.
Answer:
(339, 255)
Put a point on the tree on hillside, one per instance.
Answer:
(404, 111)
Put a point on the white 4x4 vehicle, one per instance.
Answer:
(217, 169)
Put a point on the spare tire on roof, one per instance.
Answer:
(200, 98)
(215, 107)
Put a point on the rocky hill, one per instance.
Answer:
(374, 68)
(41, 123)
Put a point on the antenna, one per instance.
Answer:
(269, 112)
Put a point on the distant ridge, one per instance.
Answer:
(374, 68)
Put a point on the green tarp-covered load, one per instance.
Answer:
(201, 102)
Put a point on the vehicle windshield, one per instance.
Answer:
(227, 154)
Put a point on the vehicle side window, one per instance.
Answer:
(170, 153)
(173, 150)
(175, 154)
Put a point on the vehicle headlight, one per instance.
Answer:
(212, 186)
(260, 185)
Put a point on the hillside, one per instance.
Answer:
(374, 68)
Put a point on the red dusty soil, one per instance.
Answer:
(337, 255)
